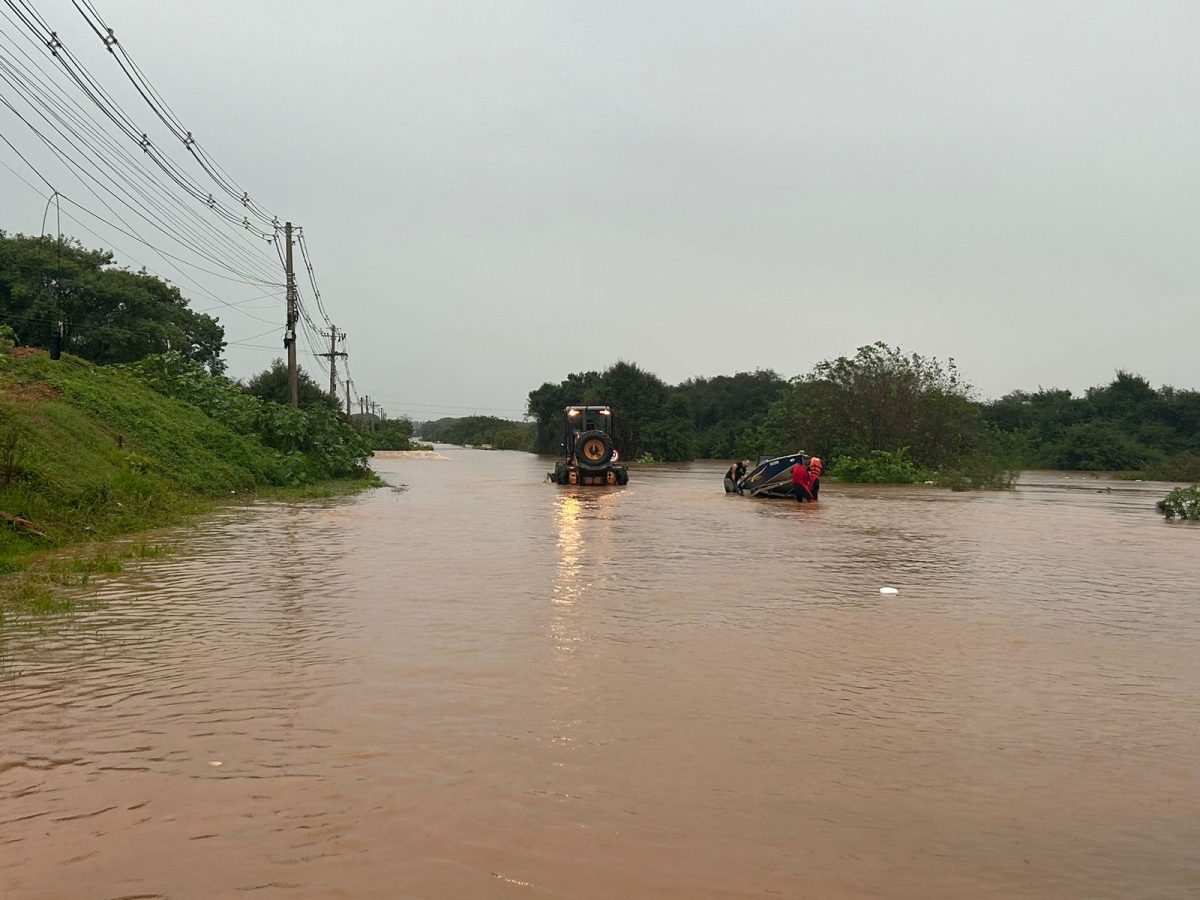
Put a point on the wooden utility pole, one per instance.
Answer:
(347, 399)
(289, 338)
(332, 356)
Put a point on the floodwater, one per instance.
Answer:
(490, 686)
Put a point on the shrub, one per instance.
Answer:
(983, 470)
(1183, 503)
(394, 434)
(1181, 467)
(1098, 446)
(499, 434)
(314, 442)
(880, 467)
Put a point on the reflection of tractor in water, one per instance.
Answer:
(589, 454)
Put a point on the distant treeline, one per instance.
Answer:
(885, 415)
(703, 417)
(1123, 426)
(499, 434)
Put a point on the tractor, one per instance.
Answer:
(589, 455)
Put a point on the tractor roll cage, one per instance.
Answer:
(586, 418)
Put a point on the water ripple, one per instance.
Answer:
(488, 685)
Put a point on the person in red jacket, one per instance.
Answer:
(816, 469)
(801, 482)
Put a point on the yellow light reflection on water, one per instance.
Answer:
(570, 542)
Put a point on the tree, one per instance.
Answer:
(879, 399)
(728, 410)
(1123, 425)
(670, 436)
(499, 434)
(637, 398)
(112, 315)
(272, 384)
(391, 434)
(546, 405)
(643, 418)
(1099, 445)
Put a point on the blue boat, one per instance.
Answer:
(771, 477)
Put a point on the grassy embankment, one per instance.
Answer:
(89, 453)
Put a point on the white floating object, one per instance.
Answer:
(888, 590)
(214, 763)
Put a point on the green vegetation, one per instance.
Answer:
(272, 384)
(499, 434)
(881, 467)
(728, 410)
(879, 416)
(650, 417)
(886, 416)
(38, 591)
(1177, 467)
(1124, 426)
(111, 314)
(91, 452)
(304, 445)
(391, 434)
(1183, 503)
(135, 427)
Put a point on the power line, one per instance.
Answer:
(96, 326)
(39, 82)
(243, 343)
(78, 170)
(254, 337)
(130, 192)
(40, 33)
(84, 226)
(312, 278)
(28, 163)
(240, 304)
(164, 112)
(127, 230)
(162, 193)
(135, 186)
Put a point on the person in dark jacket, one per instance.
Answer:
(734, 475)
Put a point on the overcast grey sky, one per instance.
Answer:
(499, 193)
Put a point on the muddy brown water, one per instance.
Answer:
(489, 686)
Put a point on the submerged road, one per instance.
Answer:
(489, 686)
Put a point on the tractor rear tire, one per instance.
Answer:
(593, 450)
